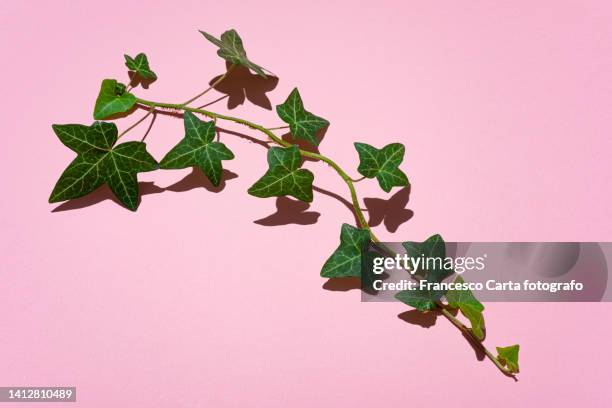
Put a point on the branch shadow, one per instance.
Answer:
(392, 211)
(289, 211)
(240, 85)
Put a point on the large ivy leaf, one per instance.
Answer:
(198, 149)
(232, 50)
(112, 99)
(303, 124)
(422, 300)
(140, 65)
(382, 164)
(470, 307)
(346, 259)
(434, 249)
(284, 176)
(81, 138)
(508, 357)
(115, 165)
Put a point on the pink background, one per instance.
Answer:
(505, 111)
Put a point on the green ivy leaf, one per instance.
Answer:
(112, 99)
(284, 176)
(101, 163)
(508, 357)
(303, 124)
(422, 300)
(470, 307)
(382, 164)
(232, 50)
(140, 65)
(198, 149)
(458, 297)
(81, 138)
(432, 248)
(346, 259)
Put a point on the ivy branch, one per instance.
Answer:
(100, 160)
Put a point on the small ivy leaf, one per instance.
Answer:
(476, 319)
(284, 177)
(232, 50)
(422, 300)
(346, 259)
(470, 307)
(434, 249)
(112, 99)
(303, 124)
(117, 166)
(198, 149)
(382, 164)
(508, 357)
(140, 65)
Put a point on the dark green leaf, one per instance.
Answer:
(382, 164)
(232, 50)
(112, 99)
(81, 138)
(508, 357)
(140, 65)
(198, 149)
(284, 177)
(303, 124)
(434, 250)
(346, 259)
(422, 300)
(117, 166)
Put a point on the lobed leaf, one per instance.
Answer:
(115, 165)
(232, 50)
(284, 177)
(470, 307)
(346, 259)
(198, 149)
(382, 164)
(303, 124)
(422, 300)
(432, 248)
(112, 99)
(508, 357)
(140, 65)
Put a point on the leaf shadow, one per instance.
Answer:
(104, 193)
(342, 284)
(289, 211)
(137, 79)
(429, 319)
(305, 145)
(392, 211)
(240, 85)
(197, 179)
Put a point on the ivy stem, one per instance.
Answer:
(212, 86)
(347, 179)
(354, 199)
(465, 330)
(278, 127)
(137, 122)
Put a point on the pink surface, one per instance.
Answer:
(505, 111)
